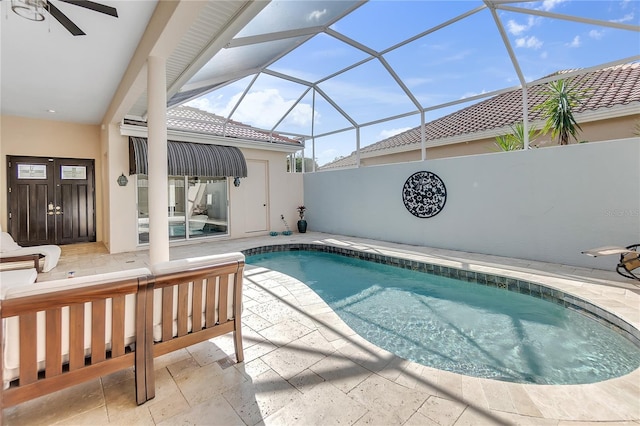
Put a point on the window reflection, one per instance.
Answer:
(207, 204)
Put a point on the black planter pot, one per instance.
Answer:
(302, 226)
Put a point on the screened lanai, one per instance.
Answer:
(341, 75)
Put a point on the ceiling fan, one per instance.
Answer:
(34, 10)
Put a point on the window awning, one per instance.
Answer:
(190, 159)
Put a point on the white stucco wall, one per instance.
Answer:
(48, 138)
(284, 192)
(542, 204)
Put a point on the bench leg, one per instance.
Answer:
(237, 341)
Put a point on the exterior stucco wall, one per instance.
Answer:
(47, 138)
(116, 220)
(284, 194)
(592, 131)
(615, 128)
(542, 204)
(120, 200)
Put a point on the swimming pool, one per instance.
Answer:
(460, 326)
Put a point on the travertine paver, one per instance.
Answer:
(304, 366)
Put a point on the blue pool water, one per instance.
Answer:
(460, 326)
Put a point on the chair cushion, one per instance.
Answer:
(180, 265)
(7, 243)
(70, 283)
(11, 331)
(18, 277)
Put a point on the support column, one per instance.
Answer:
(157, 160)
(423, 138)
(525, 116)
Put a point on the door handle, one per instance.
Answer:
(58, 210)
(50, 209)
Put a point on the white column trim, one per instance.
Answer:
(157, 160)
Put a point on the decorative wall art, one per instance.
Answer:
(424, 194)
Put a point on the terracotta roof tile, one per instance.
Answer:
(608, 87)
(195, 120)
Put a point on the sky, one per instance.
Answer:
(449, 64)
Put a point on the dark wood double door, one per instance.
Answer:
(51, 200)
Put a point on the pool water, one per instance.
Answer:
(459, 326)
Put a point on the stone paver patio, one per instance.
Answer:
(304, 366)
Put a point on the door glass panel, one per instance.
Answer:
(176, 208)
(143, 209)
(32, 171)
(73, 172)
(207, 204)
(203, 205)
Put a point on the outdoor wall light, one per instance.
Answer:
(122, 180)
(236, 181)
(33, 10)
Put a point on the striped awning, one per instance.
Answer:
(190, 159)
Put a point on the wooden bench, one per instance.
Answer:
(88, 327)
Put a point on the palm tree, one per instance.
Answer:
(515, 140)
(558, 110)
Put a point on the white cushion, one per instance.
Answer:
(17, 277)
(7, 243)
(195, 262)
(50, 252)
(70, 283)
(11, 354)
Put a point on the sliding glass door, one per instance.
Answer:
(197, 207)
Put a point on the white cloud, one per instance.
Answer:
(515, 28)
(392, 132)
(261, 109)
(548, 5)
(316, 15)
(596, 34)
(529, 42)
(201, 103)
(575, 42)
(544, 55)
(301, 115)
(470, 94)
(626, 18)
(327, 156)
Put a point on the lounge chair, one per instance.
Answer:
(10, 251)
(629, 265)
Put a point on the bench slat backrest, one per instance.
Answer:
(199, 295)
(57, 320)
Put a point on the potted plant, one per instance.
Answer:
(302, 224)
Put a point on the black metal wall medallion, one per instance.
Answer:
(424, 194)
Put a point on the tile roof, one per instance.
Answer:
(195, 120)
(608, 87)
(192, 119)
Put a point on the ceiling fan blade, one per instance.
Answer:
(62, 18)
(107, 10)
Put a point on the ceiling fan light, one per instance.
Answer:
(29, 9)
